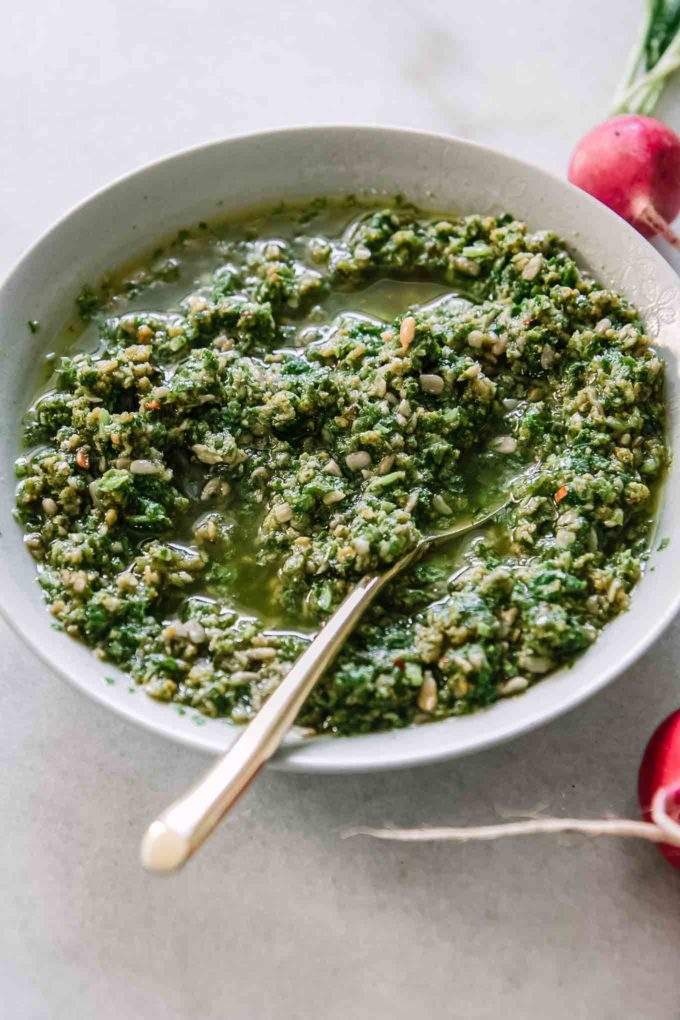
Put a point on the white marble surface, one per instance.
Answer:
(279, 918)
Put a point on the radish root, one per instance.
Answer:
(662, 828)
(648, 216)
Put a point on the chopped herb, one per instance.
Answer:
(88, 304)
(208, 482)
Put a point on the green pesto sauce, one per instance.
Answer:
(263, 410)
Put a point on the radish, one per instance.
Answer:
(632, 164)
(659, 781)
(659, 792)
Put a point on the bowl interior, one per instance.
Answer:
(226, 177)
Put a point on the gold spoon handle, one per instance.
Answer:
(181, 829)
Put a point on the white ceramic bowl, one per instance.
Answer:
(437, 172)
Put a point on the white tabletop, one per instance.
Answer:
(279, 918)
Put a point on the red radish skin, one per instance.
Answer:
(631, 163)
(660, 769)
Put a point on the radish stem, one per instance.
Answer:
(634, 60)
(652, 60)
(642, 96)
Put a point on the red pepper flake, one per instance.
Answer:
(153, 405)
(83, 458)
(561, 493)
(399, 663)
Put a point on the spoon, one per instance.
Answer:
(184, 826)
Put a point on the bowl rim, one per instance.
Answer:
(292, 758)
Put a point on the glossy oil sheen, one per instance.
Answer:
(226, 177)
